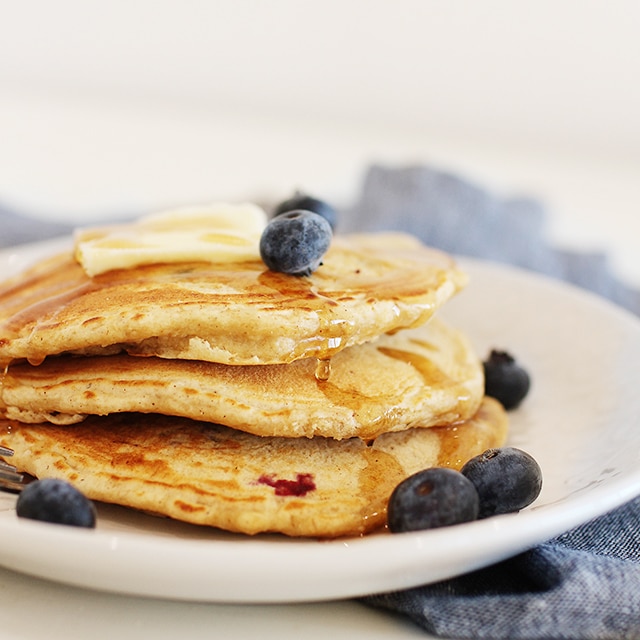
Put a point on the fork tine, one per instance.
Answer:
(10, 478)
(7, 470)
(6, 465)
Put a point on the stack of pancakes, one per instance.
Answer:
(228, 395)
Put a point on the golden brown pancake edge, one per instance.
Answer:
(232, 313)
(215, 476)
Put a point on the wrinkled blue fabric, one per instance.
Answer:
(584, 584)
(455, 215)
(18, 228)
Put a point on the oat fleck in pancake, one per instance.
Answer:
(232, 313)
(423, 376)
(212, 475)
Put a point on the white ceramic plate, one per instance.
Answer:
(580, 421)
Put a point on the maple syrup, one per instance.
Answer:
(323, 369)
(374, 494)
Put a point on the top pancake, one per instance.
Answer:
(231, 313)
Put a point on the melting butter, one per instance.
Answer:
(219, 232)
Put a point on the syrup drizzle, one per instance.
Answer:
(323, 369)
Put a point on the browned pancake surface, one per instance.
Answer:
(423, 376)
(233, 313)
(215, 476)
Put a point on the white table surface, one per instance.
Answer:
(78, 160)
(32, 608)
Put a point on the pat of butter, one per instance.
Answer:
(215, 233)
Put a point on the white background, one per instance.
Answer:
(132, 105)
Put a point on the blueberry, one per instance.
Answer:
(52, 500)
(435, 497)
(295, 242)
(505, 380)
(303, 201)
(506, 480)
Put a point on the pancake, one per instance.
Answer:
(212, 475)
(232, 313)
(424, 376)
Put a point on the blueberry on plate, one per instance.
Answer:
(505, 380)
(301, 200)
(432, 498)
(56, 501)
(506, 480)
(295, 242)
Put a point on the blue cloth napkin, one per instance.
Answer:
(449, 212)
(584, 584)
(20, 228)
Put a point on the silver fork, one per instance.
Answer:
(10, 478)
